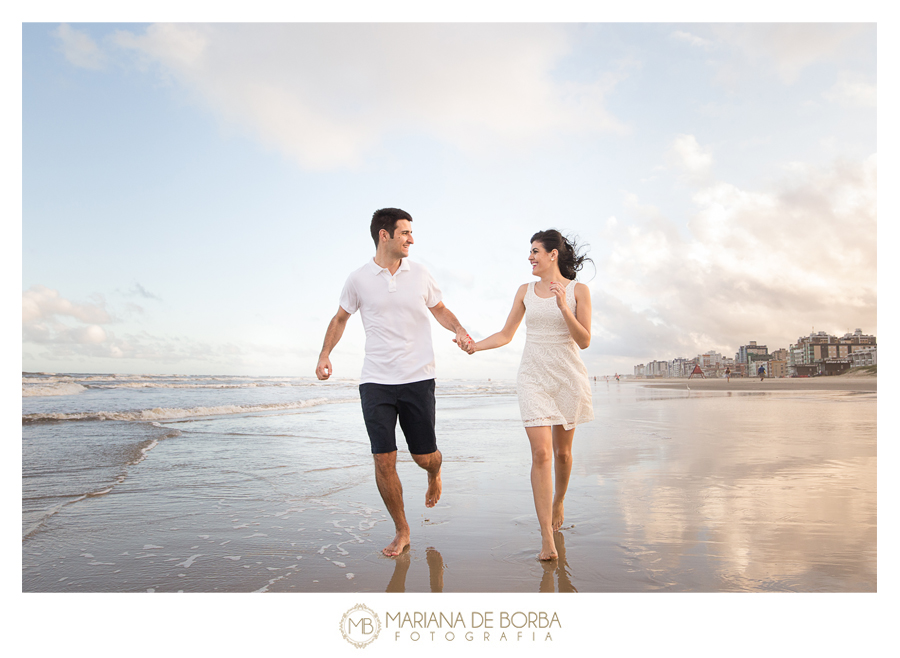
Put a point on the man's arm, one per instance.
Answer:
(332, 336)
(448, 321)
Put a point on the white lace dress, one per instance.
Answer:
(552, 384)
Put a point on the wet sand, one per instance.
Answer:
(859, 383)
(737, 486)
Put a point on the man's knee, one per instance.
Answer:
(429, 460)
(385, 462)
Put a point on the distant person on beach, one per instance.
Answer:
(394, 296)
(761, 372)
(552, 384)
(727, 374)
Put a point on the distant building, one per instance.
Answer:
(823, 354)
(778, 367)
(744, 352)
(816, 354)
(657, 369)
(780, 354)
(681, 367)
(751, 357)
(834, 366)
(713, 364)
(865, 356)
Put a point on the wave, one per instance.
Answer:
(52, 388)
(165, 413)
(170, 385)
(54, 384)
(36, 519)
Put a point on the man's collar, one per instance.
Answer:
(375, 268)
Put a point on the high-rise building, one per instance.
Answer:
(820, 352)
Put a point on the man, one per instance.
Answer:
(397, 381)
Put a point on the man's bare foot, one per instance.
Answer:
(558, 515)
(548, 550)
(434, 490)
(396, 547)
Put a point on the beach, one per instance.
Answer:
(678, 485)
(847, 383)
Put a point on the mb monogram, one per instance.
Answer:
(360, 626)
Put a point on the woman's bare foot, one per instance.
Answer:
(548, 550)
(433, 495)
(558, 515)
(396, 547)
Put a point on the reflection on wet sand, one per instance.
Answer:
(401, 567)
(558, 567)
(774, 493)
(435, 570)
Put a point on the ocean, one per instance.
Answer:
(168, 483)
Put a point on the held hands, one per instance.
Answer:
(465, 342)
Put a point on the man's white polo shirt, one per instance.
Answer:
(397, 321)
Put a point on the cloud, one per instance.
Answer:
(57, 333)
(79, 48)
(66, 329)
(788, 48)
(852, 91)
(47, 319)
(754, 265)
(692, 39)
(60, 342)
(139, 291)
(690, 158)
(40, 303)
(325, 95)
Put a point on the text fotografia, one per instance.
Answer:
(479, 626)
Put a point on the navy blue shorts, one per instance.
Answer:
(413, 404)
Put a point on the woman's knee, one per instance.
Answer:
(563, 455)
(541, 455)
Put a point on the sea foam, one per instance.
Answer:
(165, 413)
(53, 388)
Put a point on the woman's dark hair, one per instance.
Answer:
(570, 260)
(386, 219)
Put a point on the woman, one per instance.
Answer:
(552, 384)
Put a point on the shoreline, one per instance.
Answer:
(859, 384)
(669, 492)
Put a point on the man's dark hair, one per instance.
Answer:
(386, 219)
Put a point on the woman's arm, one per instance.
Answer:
(579, 323)
(506, 334)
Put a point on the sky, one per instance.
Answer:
(195, 195)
